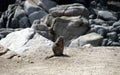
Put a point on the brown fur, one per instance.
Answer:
(58, 47)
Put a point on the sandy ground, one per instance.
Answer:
(81, 61)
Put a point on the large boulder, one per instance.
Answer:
(69, 21)
(92, 38)
(47, 4)
(41, 28)
(70, 27)
(5, 20)
(30, 7)
(106, 15)
(21, 41)
(69, 10)
(33, 10)
(36, 5)
(14, 17)
(24, 22)
(36, 15)
(20, 18)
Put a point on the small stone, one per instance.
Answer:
(107, 15)
(104, 42)
(112, 36)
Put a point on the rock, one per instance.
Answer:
(104, 42)
(20, 18)
(5, 31)
(116, 24)
(103, 30)
(106, 15)
(109, 42)
(21, 41)
(24, 22)
(15, 17)
(92, 38)
(115, 44)
(116, 27)
(112, 36)
(36, 15)
(1, 36)
(93, 4)
(38, 25)
(19, 12)
(41, 28)
(69, 10)
(47, 4)
(70, 27)
(30, 7)
(110, 23)
(7, 16)
(97, 21)
(92, 16)
(71, 24)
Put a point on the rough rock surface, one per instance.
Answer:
(21, 41)
(106, 15)
(72, 20)
(69, 10)
(93, 38)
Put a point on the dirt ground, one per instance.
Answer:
(81, 61)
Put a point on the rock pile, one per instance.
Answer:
(22, 15)
(79, 24)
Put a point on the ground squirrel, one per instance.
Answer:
(57, 47)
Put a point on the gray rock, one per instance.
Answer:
(5, 31)
(24, 22)
(97, 21)
(115, 44)
(36, 15)
(93, 38)
(70, 27)
(112, 36)
(116, 27)
(21, 41)
(30, 7)
(104, 42)
(1, 36)
(14, 17)
(106, 15)
(116, 24)
(7, 16)
(38, 25)
(69, 10)
(69, 21)
(109, 42)
(103, 30)
(92, 16)
(20, 18)
(110, 23)
(41, 28)
(47, 4)
(19, 13)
